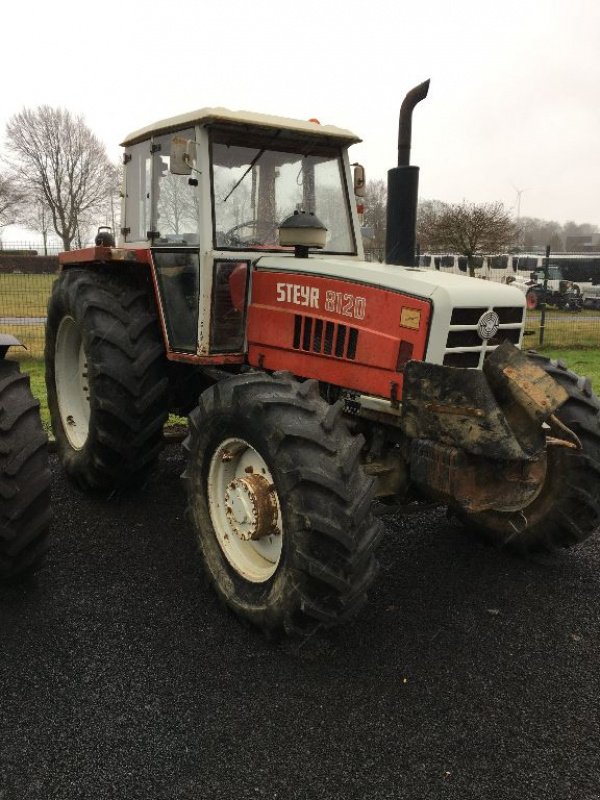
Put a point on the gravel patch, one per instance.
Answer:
(471, 674)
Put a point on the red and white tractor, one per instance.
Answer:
(314, 381)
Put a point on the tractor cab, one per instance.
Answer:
(207, 193)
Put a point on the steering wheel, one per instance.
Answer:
(227, 239)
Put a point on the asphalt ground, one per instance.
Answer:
(471, 674)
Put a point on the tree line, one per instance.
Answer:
(469, 229)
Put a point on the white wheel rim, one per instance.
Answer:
(72, 385)
(245, 510)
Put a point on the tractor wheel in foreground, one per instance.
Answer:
(106, 378)
(280, 502)
(24, 477)
(567, 509)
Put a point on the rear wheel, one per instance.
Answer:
(567, 509)
(24, 476)
(281, 505)
(106, 378)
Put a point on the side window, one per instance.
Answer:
(177, 199)
(177, 271)
(228, 319)
(137, 192)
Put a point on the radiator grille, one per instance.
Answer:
(465, 347)
(327, 338)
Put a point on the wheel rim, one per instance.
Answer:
(72, 385)
(245, 510)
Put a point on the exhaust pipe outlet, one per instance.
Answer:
(403, 188)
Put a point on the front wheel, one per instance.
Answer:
(567, 509)
(24, 477)
(281, 505)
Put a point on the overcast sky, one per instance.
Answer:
(514, 102)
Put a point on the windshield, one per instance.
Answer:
(256, 187)
(554, 273)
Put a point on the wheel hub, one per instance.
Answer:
(251, 507)
(245, 510)
(72, 383)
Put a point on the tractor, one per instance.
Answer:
(314, 382)
(24, 472)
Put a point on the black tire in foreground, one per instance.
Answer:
(106, 377)
(24, 477)
(567, 510)
(281, 505)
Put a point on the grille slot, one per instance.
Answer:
(466, 316)
(509, 316)
(468, 359)
(469, 338)
(329, 338)
(511, 334)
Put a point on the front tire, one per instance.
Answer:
(106, 378)
(567, 510)
(24, 477)
(281, 505)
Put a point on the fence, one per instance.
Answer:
(24, 298)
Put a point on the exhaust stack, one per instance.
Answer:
(403, 188)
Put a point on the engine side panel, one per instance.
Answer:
(352, 335)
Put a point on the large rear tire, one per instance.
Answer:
(106, 378)
(24, 477)
(567, 509)
(281, 505)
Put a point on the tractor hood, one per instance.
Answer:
(442, 288)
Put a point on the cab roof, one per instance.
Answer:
(206, 116)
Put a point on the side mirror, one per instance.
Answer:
(183, 156)
(360, 185)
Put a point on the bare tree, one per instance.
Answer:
(427, 213)
(35, 215)
(11, 199)
(375, 217)
(56, 158)
(471, 229)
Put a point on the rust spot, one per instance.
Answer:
(226, 456)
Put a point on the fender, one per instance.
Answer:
(6, 341)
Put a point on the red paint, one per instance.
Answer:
(277, 341)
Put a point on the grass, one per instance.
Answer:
(564, 328)
(583, 362)
(25, 295)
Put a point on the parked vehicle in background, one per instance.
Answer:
(555, 291)
(590, 294)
